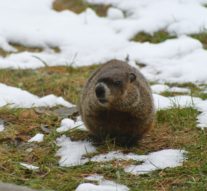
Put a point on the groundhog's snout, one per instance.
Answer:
(101, 92)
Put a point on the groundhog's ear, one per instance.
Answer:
(132, 77)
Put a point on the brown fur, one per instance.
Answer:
(129, 111)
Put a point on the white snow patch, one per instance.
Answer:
(117, 155)
(202, 117)
(205, 91)
(103, 182)
(177, 17)
(37, 138)
(71, 152)
(179, 90)
(5, 45)
(2, 125)
(202, 106)
(95, 177)
(168, 158)
(159, 88)
(153, 161)
(67, 124)
(104, 185)
(202, 120)
(114, 13)
(85, 34)
(29, 166)
(16, 97)
(162, 102)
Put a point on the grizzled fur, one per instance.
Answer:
(125, 110)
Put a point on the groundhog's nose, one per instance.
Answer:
(100, 92)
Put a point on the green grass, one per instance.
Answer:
(61, 81)
(157, 37)
(195, 90)
(202, 37)
(174, 128)
(21, 48)
(79, 6)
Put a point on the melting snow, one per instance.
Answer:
(95, 177)
(117, 155)
(202, 118)
(71, 152)
(162, 102)
(168, 158)
(37, 138)
(29, 166)
(153, 161)
(159, 88)
(71, 155)
(79, 36)
(179, 90)
(114, 13)
(177, 16)
(16, 97)
(86, 39)
(67, 124)
(103, 185)
(1, 125)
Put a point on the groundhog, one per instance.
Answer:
(117, 102)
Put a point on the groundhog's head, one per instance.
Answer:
(116, 89)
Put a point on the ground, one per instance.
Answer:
(174, 128)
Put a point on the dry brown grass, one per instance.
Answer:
(79, 6)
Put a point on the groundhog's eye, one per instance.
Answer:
(117, 83)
